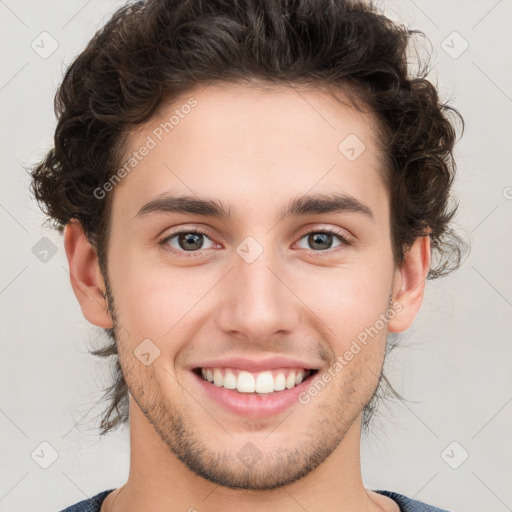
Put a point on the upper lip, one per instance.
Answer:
(256, 365)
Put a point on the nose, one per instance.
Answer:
(258, 303)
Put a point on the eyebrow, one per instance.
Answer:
(313, 204)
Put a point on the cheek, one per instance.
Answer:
(142, 298)
(149, 308)
(151, 298)
(352, 301)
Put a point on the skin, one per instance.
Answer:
(254, 150)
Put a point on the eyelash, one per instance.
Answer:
(198, 231)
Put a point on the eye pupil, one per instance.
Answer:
(316, 239)
(191, 238)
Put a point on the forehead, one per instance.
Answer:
(239, 142)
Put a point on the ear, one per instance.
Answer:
(85, 275)
(409, 284)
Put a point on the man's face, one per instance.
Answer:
(257, 285)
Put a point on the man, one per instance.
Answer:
(250, 193)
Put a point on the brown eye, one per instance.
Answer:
(186, 241)
(322, 240)
(190, 241)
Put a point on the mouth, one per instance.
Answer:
(269, 382)
(254, 395)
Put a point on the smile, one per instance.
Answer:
(254, 395)
(242, 381)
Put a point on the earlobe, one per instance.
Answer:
(409, 284)
(86, 279)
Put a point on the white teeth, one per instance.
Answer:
(218, 379)
(246, 382)
(279, 382)
(229, 380)
(264, 383)
(290, 380)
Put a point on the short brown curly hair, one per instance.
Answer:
(151, 51)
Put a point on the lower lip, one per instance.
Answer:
(255, 406)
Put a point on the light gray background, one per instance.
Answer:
(455, 369)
